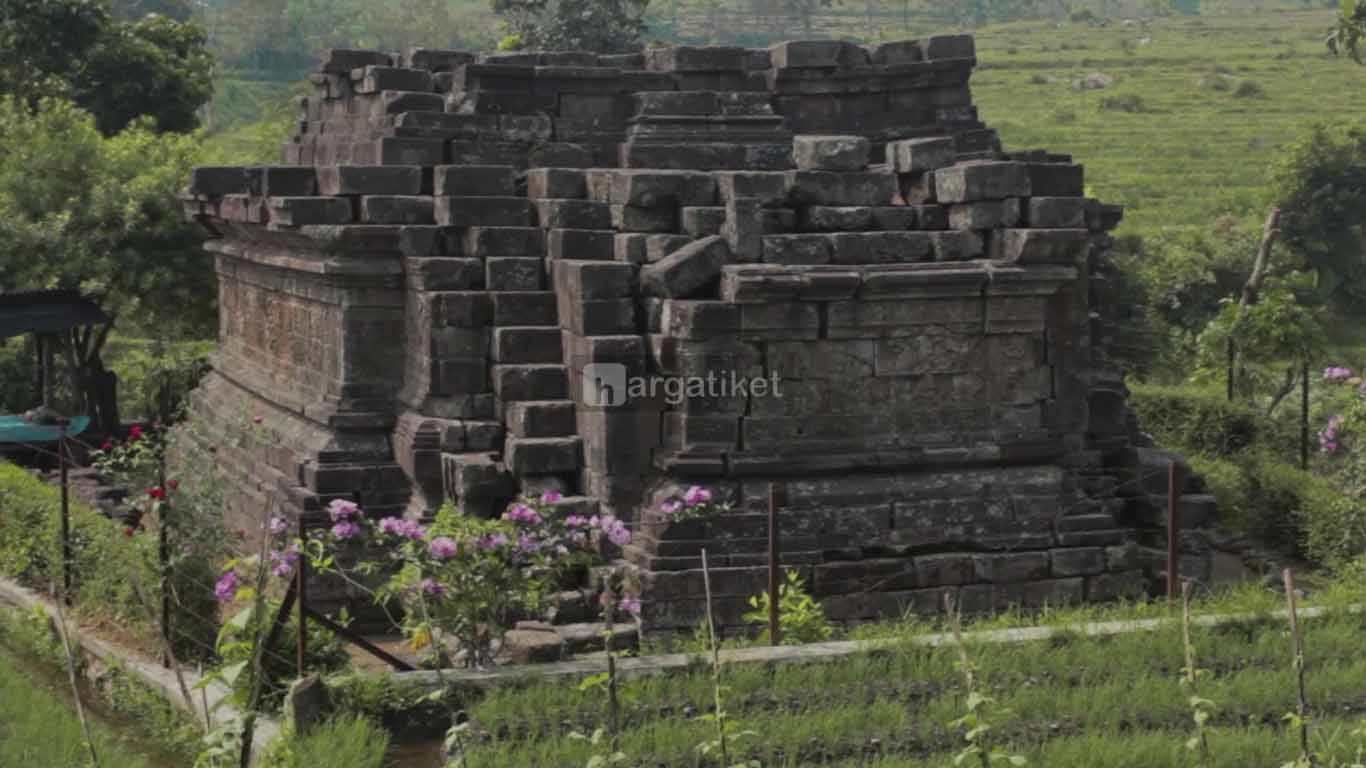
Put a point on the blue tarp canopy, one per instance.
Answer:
(14, 430)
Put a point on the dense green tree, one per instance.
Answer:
(1321, 184)
(81, 210)
(603, 26)
(1346, 34)
(119, 70)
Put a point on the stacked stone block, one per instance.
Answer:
(428, 291)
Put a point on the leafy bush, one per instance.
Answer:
(1123, 102)
(1249, 89)
(1196, 420)
(110, 563)
(800, 618)
(342, 742)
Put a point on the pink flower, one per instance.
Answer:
(1337, 373)
(671, 507)
(550, 497)
(277, 526)
(1329, 440)
(576, 521)
(696, 495)
(492, 541)
(521, 513)
(615, 530)
(345, 530)
(284, 561)
(528, 544)
(257, 419)
(108, 444)
(225, 589)
(443, 548)
(630, 604)
(341, 509)
(408, 529)
(135, 433)
(432, 587)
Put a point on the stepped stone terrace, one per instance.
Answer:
(462, 260)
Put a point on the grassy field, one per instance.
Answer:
(1196, 111)
(1073, 701)
(38, 728)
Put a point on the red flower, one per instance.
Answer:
(173, 484)
(108, 444)
(156, 493)
(135, 433)
(128, 531)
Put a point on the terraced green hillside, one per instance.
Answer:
(1197, 108)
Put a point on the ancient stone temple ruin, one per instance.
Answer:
(479, 276)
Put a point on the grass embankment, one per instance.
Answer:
(1071, 701)
(39, 729)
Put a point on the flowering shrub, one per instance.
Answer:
(466, 578)
(695, 503)
(1335, 529)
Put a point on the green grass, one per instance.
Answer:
(1070, 701)
(343, 742)
(39, 729)
(1192, 153)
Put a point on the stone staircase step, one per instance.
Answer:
(571, 607)
(588, 637)
(541, 418)
(583, 506)
(543, 455)
(532, 381)
(527, 344)
(1089, 522)
(522, 308)
(475, 480)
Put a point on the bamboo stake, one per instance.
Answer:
(1302, 700)
(715, 664)
(71, 676)
(1190, 665)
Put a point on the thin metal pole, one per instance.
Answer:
(1304, 416)
(66, 512)
(164, 551)
(775, 636)
(1173, 530)
(301, 574)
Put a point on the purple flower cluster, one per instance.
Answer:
(1329, 438)
(611, 527)
(1337, 373)
(344, 518)
(225, 589)
(432, 588)
(277, 526)
(443, 548)
(284, 560)
(695, 497)
(521, 513)
(408, 529)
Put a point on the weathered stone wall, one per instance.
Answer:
(423, 300)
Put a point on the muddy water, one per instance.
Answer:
(418, 754)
